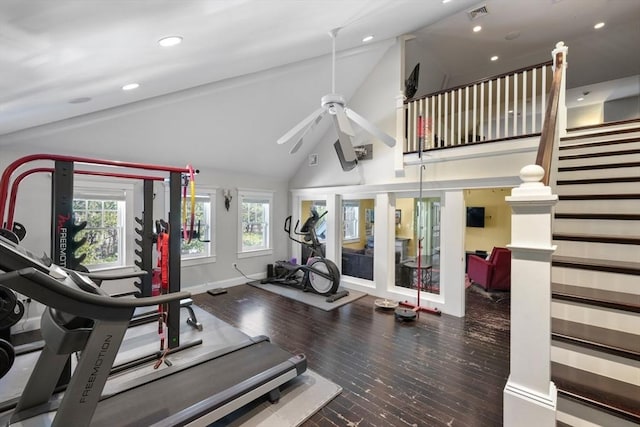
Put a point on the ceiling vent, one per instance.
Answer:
(477, 12)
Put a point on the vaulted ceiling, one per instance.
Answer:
(69, 58)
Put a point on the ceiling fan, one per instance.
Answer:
(334, 105)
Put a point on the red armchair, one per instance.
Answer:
(493, 274)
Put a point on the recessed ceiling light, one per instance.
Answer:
(170, 41)
(580, 99)
(131, 86)
(598, 25)
(446, 1)
(512, 35)
(367, 38)
(494, 58)
(477, 28)
(79, 100)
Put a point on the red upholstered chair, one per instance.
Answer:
(493, 274)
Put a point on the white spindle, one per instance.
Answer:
(421, 113)
(498, 109)
(466, 114)
(482, 112)
(515, 105)
(433, 122)
(475, 112)
(410, 125)
(490, 116)
(524, 102)
(506, 106)
(534, 88)
(459, 140)
(543, 95)
(445, 120)
(439, 129)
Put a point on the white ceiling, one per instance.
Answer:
(54, 53)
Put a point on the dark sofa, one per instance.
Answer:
(357, 263)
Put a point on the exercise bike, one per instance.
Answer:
(319, 274)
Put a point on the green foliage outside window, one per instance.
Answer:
(197, 247)
(254, 224)
(103, 231)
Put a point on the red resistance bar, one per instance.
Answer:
(19, 178)
(6, 175)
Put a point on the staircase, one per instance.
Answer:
(595, 287)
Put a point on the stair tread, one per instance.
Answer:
(617, 396)
(596, 336)
(610, 180)
(602, 154)
(623, 196)
(597, 238)
(612, 216)
(625, 300)
(620, 140)
(624, 267)
(599, 166)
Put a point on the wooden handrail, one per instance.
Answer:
(547, 137)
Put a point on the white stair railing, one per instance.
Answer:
(502, 107)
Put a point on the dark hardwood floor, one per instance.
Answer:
(436, 371)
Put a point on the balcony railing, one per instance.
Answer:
(507, 106)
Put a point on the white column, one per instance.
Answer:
(529, 395)
(452, 229)
(334, 226)
(384, 249)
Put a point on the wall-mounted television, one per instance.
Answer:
(475, 216)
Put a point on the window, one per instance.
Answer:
(255, 212)
(350, 219)
(201, 244)
(104, 213)
(319, 206)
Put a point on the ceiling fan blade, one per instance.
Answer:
(303, 127)
(343, 123)
(373, 130)
(296, 146)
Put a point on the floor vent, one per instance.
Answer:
(477, 12)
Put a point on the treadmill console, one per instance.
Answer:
(14, 257)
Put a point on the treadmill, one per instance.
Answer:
(81, 317)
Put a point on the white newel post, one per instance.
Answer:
(529, 395)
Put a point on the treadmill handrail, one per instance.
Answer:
(54, 293)
(99, 277)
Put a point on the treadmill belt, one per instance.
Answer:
(157, 400)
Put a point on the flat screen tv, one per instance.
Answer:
(475, 216)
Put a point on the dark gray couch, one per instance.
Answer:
(357, 263)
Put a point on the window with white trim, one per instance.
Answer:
(255, 211)
(350, 219)
(104, 210)
(202, 244)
